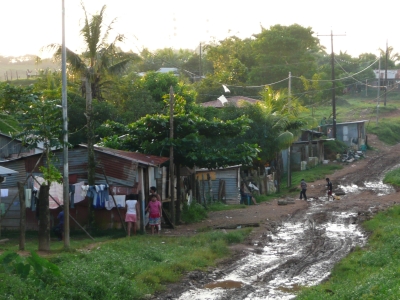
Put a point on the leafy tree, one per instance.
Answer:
(313, 91)
(283, 49)
(41, 123)
(196, 141)
(145, 95)
(393, 57)
(231, 58)
(101, 60)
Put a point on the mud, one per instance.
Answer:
(296, 245)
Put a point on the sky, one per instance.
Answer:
(28, 25)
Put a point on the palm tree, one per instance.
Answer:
(95, 66)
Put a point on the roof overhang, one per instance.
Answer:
(7, 172)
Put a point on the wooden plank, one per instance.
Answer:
(167, 219)
(237, 226)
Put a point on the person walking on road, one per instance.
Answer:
(329, 188)
(303, 186)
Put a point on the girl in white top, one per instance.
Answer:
(132, 210)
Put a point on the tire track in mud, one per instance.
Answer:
(300, 249)
(298, 252)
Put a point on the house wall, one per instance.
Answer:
(231, 178)
(351, 134)
(122, 175)
(11, 148)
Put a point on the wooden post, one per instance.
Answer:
(44, 218)
(142, 214)
(22, 216)
(220, 183)
(202, 190)
(80, 226)
(178, 194)
(171, 153)
(193, 193)
(210, 191)
(198, 195)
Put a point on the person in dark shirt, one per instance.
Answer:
(244, 195)
(303, 186)
(60, 226)
(329, 188)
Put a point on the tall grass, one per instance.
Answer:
(388, 130)
(127, 268)
(370, 273)
(392, 177)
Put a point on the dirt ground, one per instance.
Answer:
(376, 163)
(366, 202)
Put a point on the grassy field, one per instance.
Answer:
(15, 68)
(123, 268)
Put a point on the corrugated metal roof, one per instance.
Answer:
(219, 169)
(141, 158)
(345, 123)
(6, 171)
(137, 157)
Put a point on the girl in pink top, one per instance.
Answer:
(154, 208)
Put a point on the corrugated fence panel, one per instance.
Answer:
(117, 169)
(11, 219)
(231, 184)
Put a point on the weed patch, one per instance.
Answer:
(124, 268)
(392, 177)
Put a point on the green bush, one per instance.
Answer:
(393, 177)
(194, 212)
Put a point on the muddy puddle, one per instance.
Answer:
(299, 251)
(379, 188)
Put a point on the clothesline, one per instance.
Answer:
(77, 192)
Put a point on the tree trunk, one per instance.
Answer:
(178, 194)
(22, 217)
(44, 218)
(90, 144)
(278, 173)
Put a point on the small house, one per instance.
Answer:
(351, 133)
(124, 172)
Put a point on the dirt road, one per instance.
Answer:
(296, 244)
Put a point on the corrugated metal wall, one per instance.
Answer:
(230, 176)
(9, 148)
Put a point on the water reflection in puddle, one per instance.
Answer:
(300, 253)
(378, 187)
(227, 284)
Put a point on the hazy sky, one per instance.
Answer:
(27, 25)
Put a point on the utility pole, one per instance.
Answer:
(289, 179)
(379, 89)
(386, 82)
(171, 153)
(65, 133)
(333, 82)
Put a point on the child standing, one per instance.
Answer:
(154, 208)
(132, 211)
(329, 188)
